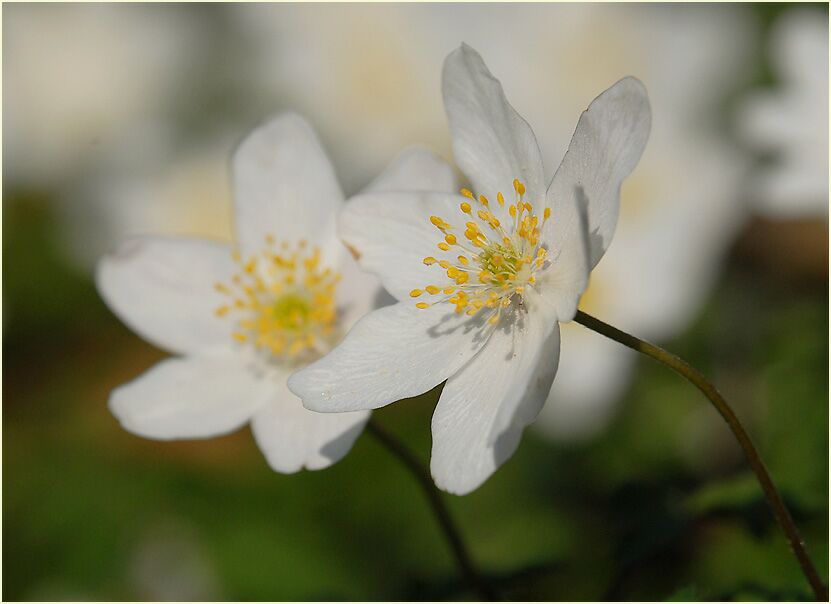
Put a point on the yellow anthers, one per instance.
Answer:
(439, 223)
(501, 260)
(282, 303)
(422, 305)
(519, 187)
(416, 293)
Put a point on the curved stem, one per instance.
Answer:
(780, 511)
(454, 540)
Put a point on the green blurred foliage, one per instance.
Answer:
(654, 508)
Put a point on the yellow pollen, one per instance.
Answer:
(282, 303)
(519, 187)
(502, 263)
(439, 223)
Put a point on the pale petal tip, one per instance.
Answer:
(455, 486)
(273, 128)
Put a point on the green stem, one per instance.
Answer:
(454, 540)
(780, 511)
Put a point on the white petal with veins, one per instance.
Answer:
(392, 353)
(191, 397)
(163, 288)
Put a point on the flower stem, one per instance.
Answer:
(451, 533)
(780, 511)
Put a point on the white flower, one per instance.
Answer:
(242, 318)
(513, 260)
(184, 192)
(685, 189)
(792, 121)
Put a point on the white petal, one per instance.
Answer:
(594, 373)
(291, 437)
(392, 353)
(358, 292)
(391, 234)
(415, 169)
(191, 397)
(566, 276)
(163, 289)
(285, 186)
(484, 408)
(605, 148)
(492, 144)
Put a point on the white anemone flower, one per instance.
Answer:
(792, 121)
(685, 190)
(513, 259)
(242, 318)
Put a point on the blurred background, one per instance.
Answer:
(119, 119)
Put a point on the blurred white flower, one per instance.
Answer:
(168, 564)
(79, 77)
(376, 64)
(517, 267)
(242, 318)
(791, 121)
(172, 192)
